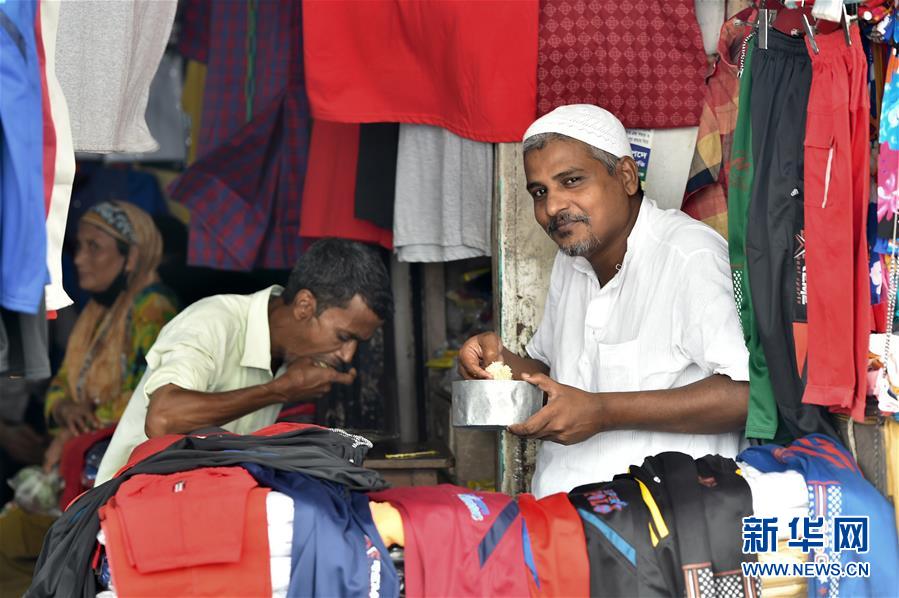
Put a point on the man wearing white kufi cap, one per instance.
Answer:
(640, 349)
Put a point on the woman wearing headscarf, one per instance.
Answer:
(118, 251)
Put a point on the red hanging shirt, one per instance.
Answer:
(329, 195)
(465, 65)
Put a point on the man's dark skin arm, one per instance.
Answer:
(175, 410)
(710, 406)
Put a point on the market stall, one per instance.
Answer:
(165, 160)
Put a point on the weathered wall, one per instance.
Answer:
(522, 263)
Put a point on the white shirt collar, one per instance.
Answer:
(634, 241)
(257, 352)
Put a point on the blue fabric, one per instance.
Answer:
(337, 550)
(628, 551)
(836, 487)
(529, 553)
(496, 532)
(23, 230)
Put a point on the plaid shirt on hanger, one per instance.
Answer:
(245, 189)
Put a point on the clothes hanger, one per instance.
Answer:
(795, 15)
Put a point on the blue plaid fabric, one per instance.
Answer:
(244, 192)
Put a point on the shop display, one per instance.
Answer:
(363, 138)
(670, 525)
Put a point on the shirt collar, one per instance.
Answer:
(634, 240)
(257, 350)
(730, 41)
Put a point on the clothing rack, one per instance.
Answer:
(767, 16)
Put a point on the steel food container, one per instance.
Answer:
(494, 403)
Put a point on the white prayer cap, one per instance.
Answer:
(584, 122)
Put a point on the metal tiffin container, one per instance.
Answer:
(494, 403)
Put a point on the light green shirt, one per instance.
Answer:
(218, 344)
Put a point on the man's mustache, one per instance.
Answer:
(565, 218)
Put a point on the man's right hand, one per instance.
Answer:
(477, 353)
(307, 379)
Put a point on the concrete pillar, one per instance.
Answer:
(522, 262)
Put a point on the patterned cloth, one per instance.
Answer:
(152, 308)
(643, 60)
(706, 194)
(244, 190)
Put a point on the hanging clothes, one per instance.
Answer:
(24, 350)
(62, 169)
(762, 418)
(480, 550)
(23, 231)
(440, 63)
(105, 64)
(244, 189)
(329, 194)
(837, 179)
(166, 122)
(376, 173)
(836, 488)
(781, 80)
(642, 60)
(444, 190)
(706, 195)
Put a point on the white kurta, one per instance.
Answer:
(667, 319)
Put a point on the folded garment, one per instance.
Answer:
(203, 535)
(279, 511)
(280, 568)
(781, 494)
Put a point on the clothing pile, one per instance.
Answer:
(223, 536)
(288, 511)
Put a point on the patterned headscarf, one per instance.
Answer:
(100, 340)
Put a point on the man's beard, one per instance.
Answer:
(581, 248)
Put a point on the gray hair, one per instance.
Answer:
(540, 140)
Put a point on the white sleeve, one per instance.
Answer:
(187, 356)
(710, 332)
(542, 346)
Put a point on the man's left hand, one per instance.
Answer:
(570, 415)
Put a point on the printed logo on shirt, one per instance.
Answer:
(800, 309)
(477, 508)
(605, 501)
(374, 581)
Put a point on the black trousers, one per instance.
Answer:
(781, 80)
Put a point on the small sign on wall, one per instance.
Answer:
(641, 146)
